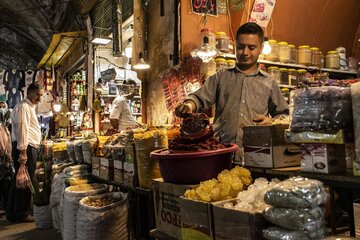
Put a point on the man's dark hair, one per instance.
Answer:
(33, 87)
(251, 28)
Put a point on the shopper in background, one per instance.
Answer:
(120, 116)
(243, 95)
(26, 138)
(6, 165)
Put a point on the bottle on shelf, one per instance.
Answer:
(301, 76)
(206, 32)
(222, 43)
(284, 76)
(274, 72)
(231, 63)
(316, 57)
(304, 55)
(332, 60)
(284, 52)
(220, 63)
(292, 76)
(292, 53)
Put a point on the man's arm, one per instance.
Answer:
(277, 105)
(114, 123)
(188, 106)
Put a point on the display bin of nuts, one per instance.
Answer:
(72, 196)
(102, 217)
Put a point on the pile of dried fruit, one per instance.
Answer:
(99, 201)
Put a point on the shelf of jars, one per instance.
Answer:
(309, 68)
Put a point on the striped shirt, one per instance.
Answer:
(238, 98)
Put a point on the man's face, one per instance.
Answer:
(248, 49)
(2, 106)
(35, 96)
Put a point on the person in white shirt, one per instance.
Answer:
(120, 116)
(26, 138)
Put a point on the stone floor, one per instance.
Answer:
(25, 231)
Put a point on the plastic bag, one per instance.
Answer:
(71, 205)
(321, 109)
(297, 192)
(22, 177)
(104, 222)
(296, 219)
(42, 216)
(278, 233)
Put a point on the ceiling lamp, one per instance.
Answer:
(141, 65)
(205, 52)
(128, 50)
(266, 47)
(56, 107)
(100, 40)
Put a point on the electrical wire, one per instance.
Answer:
(229, 19)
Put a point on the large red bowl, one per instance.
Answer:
(194, 167)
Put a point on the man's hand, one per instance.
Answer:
(23, 157)
(262, 120)
(184, 108)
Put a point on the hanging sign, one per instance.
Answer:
(236, 5)
(204, 6)
(261, 12)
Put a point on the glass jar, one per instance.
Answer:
(304, 55)
(286, 93)
(332, 60)
(274, 54)
(220, 63)
(292, 76)
(231, 46)
(222, 43)
(275, 73)
(322, 65)
(208, 68)
(231, 63)
(284, 76)
(205, 32)
(292, 53)
(284, 52)
(316, 59)
(301, 76)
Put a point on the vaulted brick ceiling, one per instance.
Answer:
(27, 26)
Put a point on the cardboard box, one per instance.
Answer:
(196, 220)
(129, 173)
(95, 171)
(272, 156)
(118, 171)
(323, 158)
(231, 224)
(107, 169)
(356, 207)
(95, 165)
(167, 206)
(264, 135)
(339, 137)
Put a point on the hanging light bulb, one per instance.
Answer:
(51, 114)
(266, 47)
(128, 50)
(141, 64)
(206, 53)
(56, 107)
(72, 118)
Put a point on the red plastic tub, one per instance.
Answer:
(194, 167)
